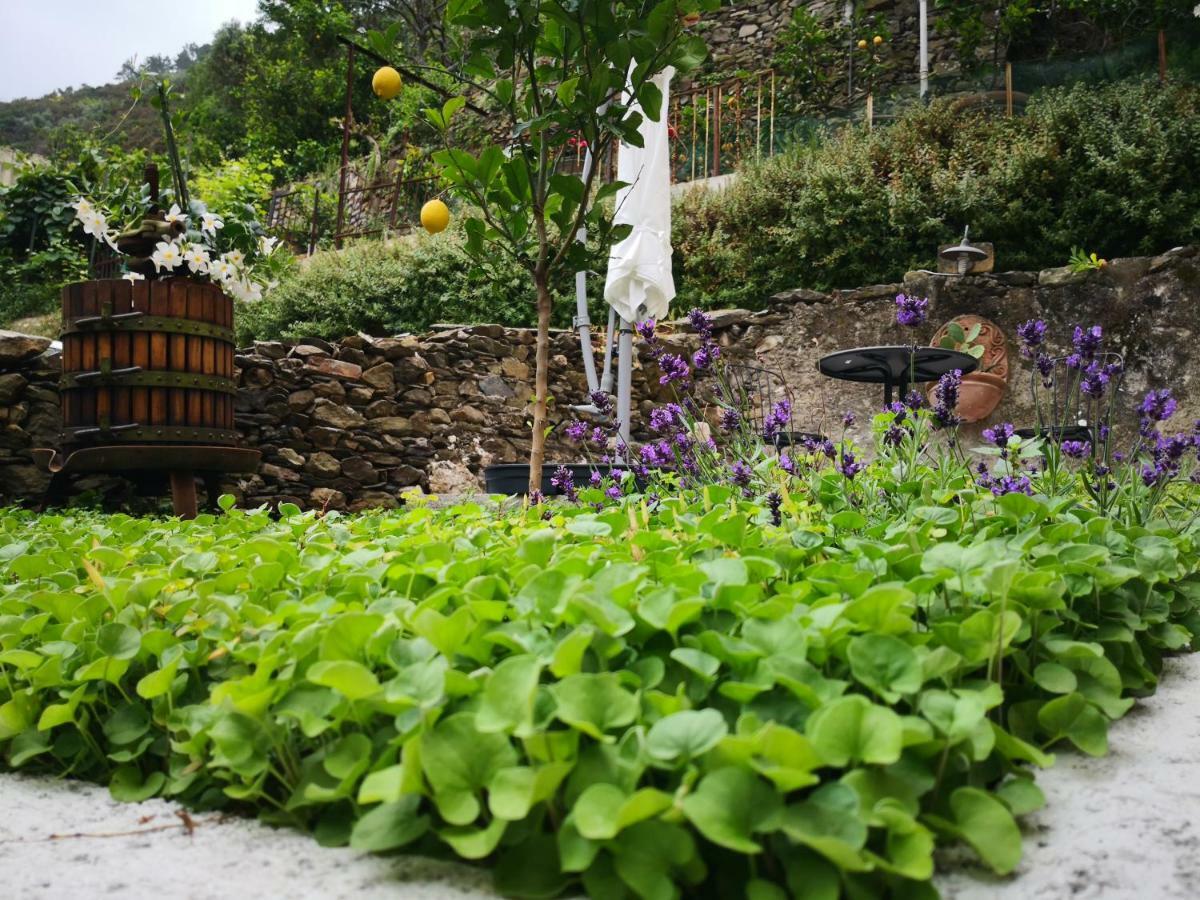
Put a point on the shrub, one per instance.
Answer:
(1114, 168)
(386, 288)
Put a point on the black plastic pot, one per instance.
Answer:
(513, 478)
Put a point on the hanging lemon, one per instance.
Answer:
(435, 216)
(878, 39)
(386, 82)
(862, 45)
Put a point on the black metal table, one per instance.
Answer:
(894, 367)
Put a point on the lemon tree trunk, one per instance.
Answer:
(537, 452)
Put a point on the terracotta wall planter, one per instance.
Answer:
(983, 389)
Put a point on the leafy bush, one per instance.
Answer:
(405, 284)
(1115, 168)
(628, 701)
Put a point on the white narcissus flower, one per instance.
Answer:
(196, 257)
(235, 258)
(266, 245)
(166, 256)
(175, 214)
(251, 291)
(134, 276)
(82, 207)
(222, 269)
(209, 224)
(94, 223)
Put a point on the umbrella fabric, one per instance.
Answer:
(639, 283)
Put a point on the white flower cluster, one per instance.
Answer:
(230, 269)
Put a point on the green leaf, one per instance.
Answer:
(119, 641)
(474, 843)
(594, 704)
(128, 786)
(987, 825)
(460, 761)
(685, 735)
(353, 680)
(854, 729)
(390, 825)
(829, 822)
(730, 806)
(508, 696)
(1055, 678)
(1073, 718)
(885, 664)
(596, 811)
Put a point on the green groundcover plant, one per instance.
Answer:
(792, 684)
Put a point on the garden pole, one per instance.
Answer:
(582, 322)
(606, 377)
(341, 209)
(624, 389)
(923, 18)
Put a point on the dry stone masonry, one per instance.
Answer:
(356, 423)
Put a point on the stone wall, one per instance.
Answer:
(354, 424)
(743, 35)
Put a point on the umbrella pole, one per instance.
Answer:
(606, 380)
(582, 322)
(624, 388)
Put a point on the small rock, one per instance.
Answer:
(299, 401)
(287, 454)
(494, 386)
(381, 377)
(390, 425)
(270, 349)
(279, 473)
(335, 367)
(514, 368)
(360, 470)
(12, 386)
(323, 465)
(17, 348)
(324, 498)
(447, 477)
(381, 409)
(333, 415)
(469, 414)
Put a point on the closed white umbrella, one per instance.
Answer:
(639, 284)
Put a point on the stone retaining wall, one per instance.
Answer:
(354, 424)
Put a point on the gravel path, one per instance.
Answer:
(1127, 825)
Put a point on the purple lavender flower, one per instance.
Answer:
(777, 419)
(730, 418)
(848, 466)
(645, 330)
(673, 368)
(1032, 334)
(914, 400)
(598, 436)
(774, 502)
(577, 431)
(945, 399)
(1095, 380)
(1087, 341)
(565, 482)
(1012, 484)
(785, 463)
(848, 418)
(700, 322)
(536, 498)
(1158, 406)
(613, 492)
(895, 435)
(1045, 367)
(999, 434)
(741, 473)
(650, 456)
(825, 447)
(663, 418)
(1077, 449)
(595, 479)
(704, 357)
(601, 401)
(911, 311)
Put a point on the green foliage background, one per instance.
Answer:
(631, 702)
(1114, 168)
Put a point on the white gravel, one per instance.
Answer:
(1127, 825)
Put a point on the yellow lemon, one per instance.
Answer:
(386, 82)
(862, 45)
(878, 40)
(435, 216)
